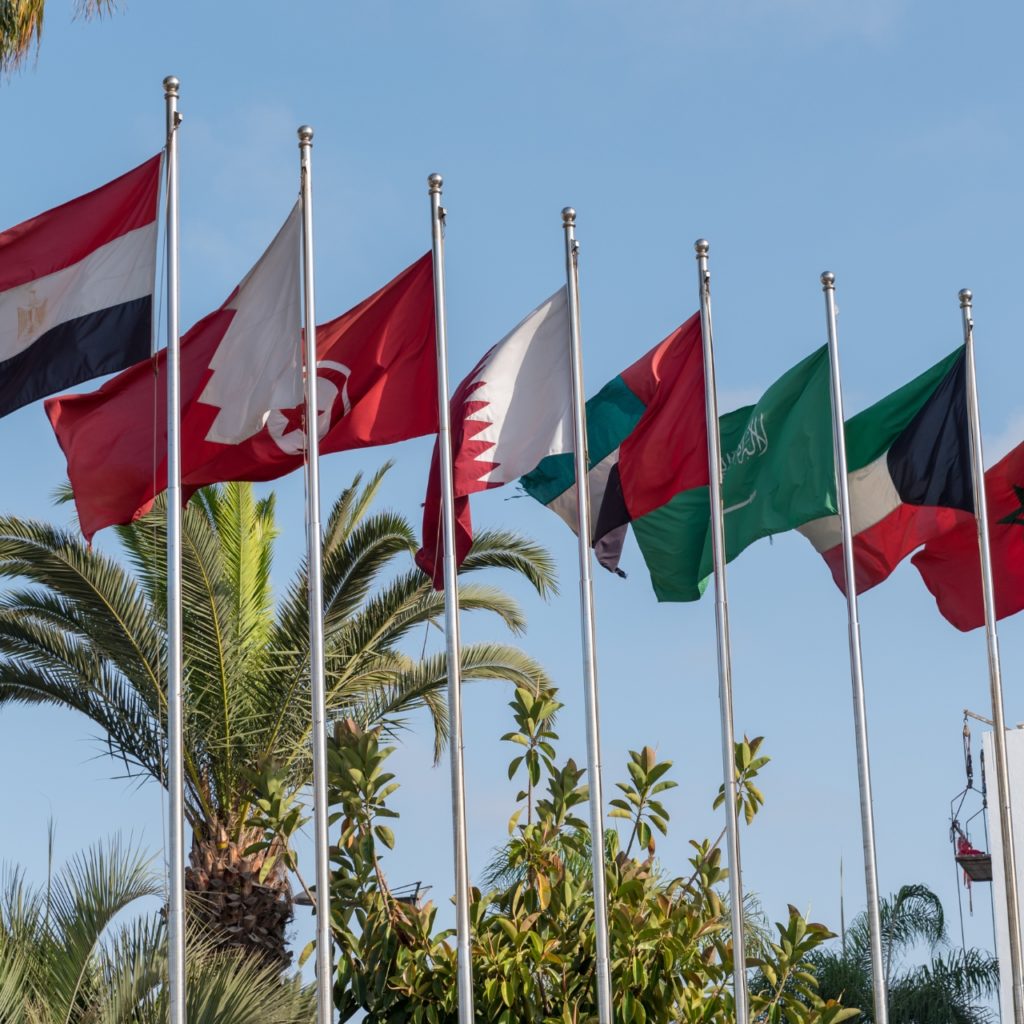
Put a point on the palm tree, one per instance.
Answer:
(21, 27)
(950, 987)
(67, 957)
(88, 634)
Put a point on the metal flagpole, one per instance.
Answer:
(451, 613)
(742, 1013)
(318, 689)
(994, 670)
(860, 724)
(587, 622)
(175, 702)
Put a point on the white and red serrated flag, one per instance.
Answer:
(76, 289)
(242, 408)
(514, 409)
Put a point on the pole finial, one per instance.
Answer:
(701, 247)
(305, 134)
(966, 295)
(434, 183)
(171, 85)
(568, 216)
(828, 280)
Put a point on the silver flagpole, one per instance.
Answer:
(994, 670)
(742, 1013)
(860, 724)
(318, 689)
(175, 701)
(588, 625)
(451, 613)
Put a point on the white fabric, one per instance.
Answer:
(1015, 766)
(565, 504)
(120, 271)
(873, 496)
(526, 383)
(256, 367)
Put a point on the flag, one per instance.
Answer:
(778, 472)
(76, 289)
(950, 565)
(908, 459)
(646, 440)
(513, 409)
(375, 385)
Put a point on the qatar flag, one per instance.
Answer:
(76, 289)
(242, 408)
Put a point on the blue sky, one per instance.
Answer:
(880, 140)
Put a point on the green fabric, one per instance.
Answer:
(779, 473)
(611, 415)
(872, 432)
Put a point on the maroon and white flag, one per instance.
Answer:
(76, 289)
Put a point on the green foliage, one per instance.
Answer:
(533, 948)
(67, 957)
(952, 986)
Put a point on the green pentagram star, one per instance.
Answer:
(1016, 517)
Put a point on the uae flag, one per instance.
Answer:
(950, 565)
(76, 289)
(908, 458)
(243, 412)
(646, 441)
(514, 409)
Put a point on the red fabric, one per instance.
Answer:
(880, 548)
(466, 474)
(950, 565)
(66, 234)
(667, 451)
(115, 439)
(964, 848)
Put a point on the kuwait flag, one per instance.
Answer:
(950, 565)
(514, 409)
(76, 289)
(243, 414)
(646, 441)
(908, 458)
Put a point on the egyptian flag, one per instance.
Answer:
(243, 409)
(646, 441)
(513, 410)
(910, 475)
(950, 565)
(76, 289)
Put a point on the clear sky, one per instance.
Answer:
(880, 140)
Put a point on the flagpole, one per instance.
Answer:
(741, 1013)
(175, 696)
(588, 624)
(451, 614)
(860, 724)
(994, 669)
(318, 688)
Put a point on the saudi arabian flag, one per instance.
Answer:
(778, 472)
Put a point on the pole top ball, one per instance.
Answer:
(305, 134)
(702, 247)
(965, 297)
(434, 183)
(828, 279)
(171, 85)
(568, 215)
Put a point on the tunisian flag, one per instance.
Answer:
(242, 411)
(951, 566)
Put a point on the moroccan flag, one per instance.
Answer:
(646, 440)
(513, 409)
(950, 564)
(778, 472)
(242, 391)
(910, 475)
(76, 289)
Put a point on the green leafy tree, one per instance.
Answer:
(954, 986)
(533, 943)
(21, 27)
(68, 956)
(88, 633)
